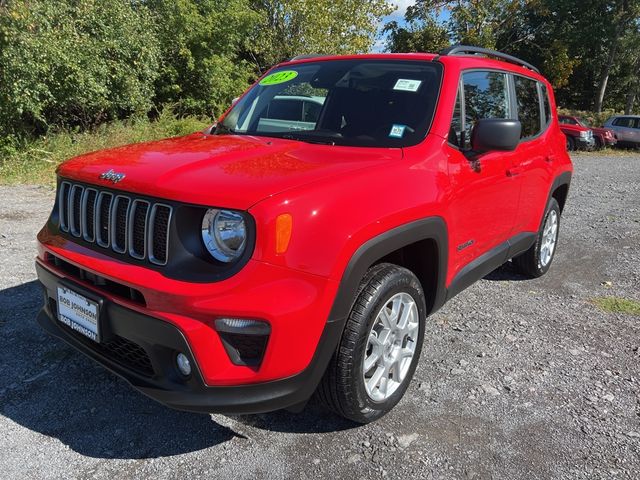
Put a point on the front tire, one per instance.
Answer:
(571, 144)
(599, 144)
(536, 261)
(380, 346)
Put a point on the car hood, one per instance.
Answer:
(573, 128)
(225, 170)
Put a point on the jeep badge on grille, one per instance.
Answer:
(113, 176)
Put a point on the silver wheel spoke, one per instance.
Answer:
(376, 377)
(371, 360)
(385, 318)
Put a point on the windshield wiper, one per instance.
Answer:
(299, 138)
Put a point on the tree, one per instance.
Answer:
(624, 13)
(584, 47)
(74, 63)
(472, 22)
(295, 27)
(201, 44)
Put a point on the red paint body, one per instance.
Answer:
(339, 198)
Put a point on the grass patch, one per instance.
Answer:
(35, 161)
(618, 305)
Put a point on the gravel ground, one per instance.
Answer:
(518, 378)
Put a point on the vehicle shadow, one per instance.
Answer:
(51, 389)
(506, 272)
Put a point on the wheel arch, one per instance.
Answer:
(416, 246)
(560, 189)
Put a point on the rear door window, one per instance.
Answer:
(528, 101)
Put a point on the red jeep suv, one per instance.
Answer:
(300, 246)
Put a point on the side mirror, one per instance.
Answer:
(495, 134)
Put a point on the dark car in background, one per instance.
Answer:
(603, 137)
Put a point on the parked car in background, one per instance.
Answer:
(603, 137)
(578, 137)
(626, 128)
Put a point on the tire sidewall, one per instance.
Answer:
(398, 283)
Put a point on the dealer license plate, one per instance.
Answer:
(79, 313)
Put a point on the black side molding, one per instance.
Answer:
(470, 50)
(432, 228)
(487, 263)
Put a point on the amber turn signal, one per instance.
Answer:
(284, 224)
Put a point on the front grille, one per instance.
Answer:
(125, 224)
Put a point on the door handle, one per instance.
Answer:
(513, 171)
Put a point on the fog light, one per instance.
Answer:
(184, 365)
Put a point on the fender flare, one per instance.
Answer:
(563, 179)
(430, 228)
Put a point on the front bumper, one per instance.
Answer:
(585, 143)
(295, 304)
(149, 346)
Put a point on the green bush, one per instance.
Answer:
(201, 43)
(74, 63)
(34, 160)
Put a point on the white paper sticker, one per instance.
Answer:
(407, 85)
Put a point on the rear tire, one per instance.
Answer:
(380, 346)
(536, 261)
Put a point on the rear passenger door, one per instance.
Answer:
(484, 199)
(533, 159)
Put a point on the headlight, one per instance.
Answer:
(224, 234)
(584, 134)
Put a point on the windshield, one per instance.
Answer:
(376, 103)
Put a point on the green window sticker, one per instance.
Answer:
(279, 77)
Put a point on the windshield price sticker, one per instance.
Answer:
(279, 77)
(407, 85)
(397, 131)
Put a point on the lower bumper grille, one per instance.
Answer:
(118, 349)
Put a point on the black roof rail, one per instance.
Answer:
(467, 50)
(305, 57)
